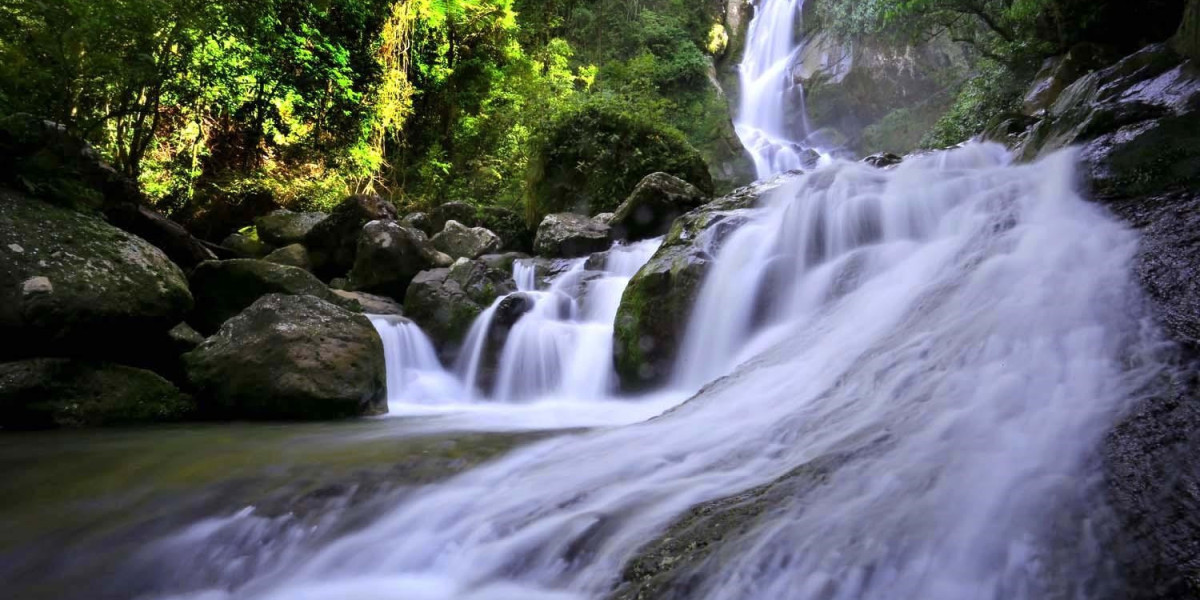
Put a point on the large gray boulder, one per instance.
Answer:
(459, 241)
(452, 211)
(48, 393)
(370, 303)
(71, 284)
(284, 227)
(225, 288)
(653, 206)
(291, 357)
(658, 302)
(446, 302)
(333, 243)
(389, 256)
(568, 235)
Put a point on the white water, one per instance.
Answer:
(555, 368)
(769, 92)
(951, 338)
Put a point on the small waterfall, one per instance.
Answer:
(949, 341)
(414, 373)
(558, 344)
(769, 92)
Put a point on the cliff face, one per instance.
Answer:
(865, 95)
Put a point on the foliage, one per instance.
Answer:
(593, 156)
(995, 91)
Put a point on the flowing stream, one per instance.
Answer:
(950, 339)
(929, 356)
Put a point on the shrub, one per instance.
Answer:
(592, 157)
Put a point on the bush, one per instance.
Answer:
(592, 157)
(996, 90)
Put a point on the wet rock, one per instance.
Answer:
(654, 204)
(245, 246)
(71, 284)
(49, 393)
(1058, 72)
(333, 243)
(371, 304)
(295, 255)
(459, 241)
(446, 302)
(605, 218)
(389, 256)
(883, 160)
(658, 302)
(225, 288)
(568, 235)
(184, 338)
(284, 227)
(291, 357)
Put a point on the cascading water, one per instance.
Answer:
(559, 348)
(769, 93)
(949, 340)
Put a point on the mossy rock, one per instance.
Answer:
(284, 227)
(446, 302)
(594, 156)
(71, 284)
(49, 393)
(293, 358)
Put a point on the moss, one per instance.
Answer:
(594, 156)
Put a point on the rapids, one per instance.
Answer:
(955, 335)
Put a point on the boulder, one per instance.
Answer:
(47, 393)
(284, 227)
(295, 255)
(333, 243)
(172, 238)
(225, 288)
(452, 211)
(568, 235)
(657, 304)
(371, 304)
(71, 284)
(389, 256)
(242, 245)
(291, 357)
(420, 221)
(512, 227)
(184, 338)
(446, 302)
(459, 241)
(654, 204)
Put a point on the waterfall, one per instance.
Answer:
(769, 91)
(949, 340)
(414, 373)
(559, 348)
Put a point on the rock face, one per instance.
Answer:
(284, 227)
(48, 393)
(291, 357)
(295, 255)
(1060, 71)
(459, 241)
(446, 302)
(568, 235)
(71, 284)
(389, 256)
(225, 288)
(658, 302)
(1137, 127)
(333, 243)
(653, 206)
